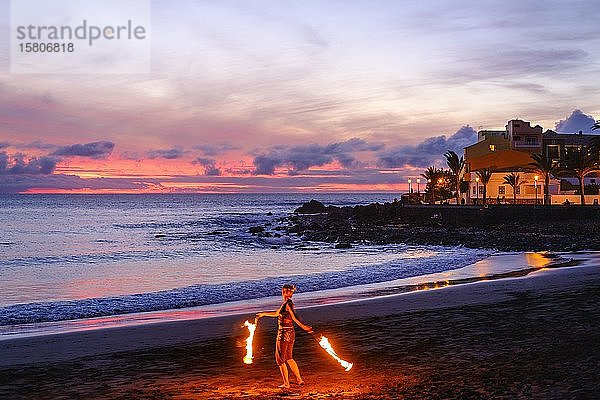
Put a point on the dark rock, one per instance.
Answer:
(505, 228)
(160, 235)
(217, 233)
(312, 207)
(256, 229)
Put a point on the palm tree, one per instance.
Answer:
(595, 142)
(485, 175)
(545, 166)
(514, 179)
(580, 163)
(456, 165)
(431, 174)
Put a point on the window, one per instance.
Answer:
(552, 151)
(474, 190)
(531, 140)
(570, 152)
(492, 147)
(501, 189)
(518, 190)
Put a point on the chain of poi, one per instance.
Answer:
(324, 343)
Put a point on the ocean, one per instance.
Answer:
(71, 262)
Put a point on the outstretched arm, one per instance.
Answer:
(273, 314)
(292, 312)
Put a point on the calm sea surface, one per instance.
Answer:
(66, 258)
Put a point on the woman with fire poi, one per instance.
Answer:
(286, 316)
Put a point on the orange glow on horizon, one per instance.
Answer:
(149, 176)
(94, 191)
(223, 187)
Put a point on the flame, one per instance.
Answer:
(251, 328)
(324, 343)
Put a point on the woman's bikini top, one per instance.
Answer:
(284, 320)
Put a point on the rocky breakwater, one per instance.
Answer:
(502, 227)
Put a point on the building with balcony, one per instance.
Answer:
(510, 150)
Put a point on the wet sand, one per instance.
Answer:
(531, 337)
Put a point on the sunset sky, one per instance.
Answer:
(283, 96)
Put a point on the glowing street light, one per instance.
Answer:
(419, 189)
(535, 179)
(439, 181)
(409, 185)
(432, 188)
(476, 190)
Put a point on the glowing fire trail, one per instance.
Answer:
(251, 328)
(324, 343)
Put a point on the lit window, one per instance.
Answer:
(492, 147)
(553, 151)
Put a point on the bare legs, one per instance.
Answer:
(285, 375)
(295, 370)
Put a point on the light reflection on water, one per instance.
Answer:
(60, 282)
(72, 247)
(502, 265)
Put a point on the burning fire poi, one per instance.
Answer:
(251, 328)
(324, 343)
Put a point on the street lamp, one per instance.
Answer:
(409, 185)
(477, 190)
(432, 189)
(419, 189)
(440, 180)
(535, 179)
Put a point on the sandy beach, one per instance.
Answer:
(532, 337)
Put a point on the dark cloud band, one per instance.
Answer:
(100, 149)
(301, 158)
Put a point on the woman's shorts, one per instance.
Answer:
(284, 345)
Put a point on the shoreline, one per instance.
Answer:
(509, 334)
(154, 334)
(492, 267)
(429, 335)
